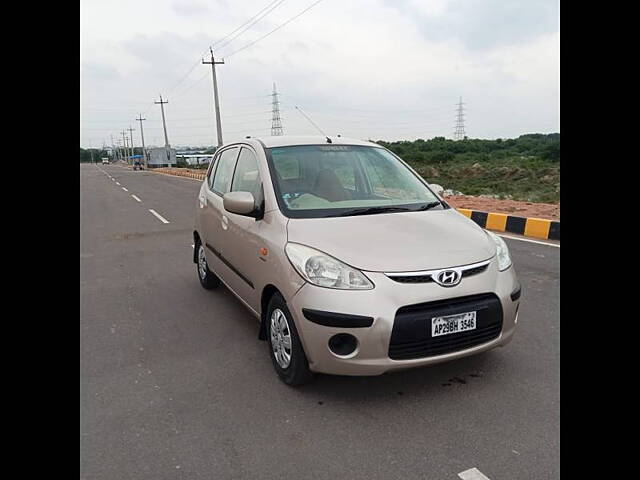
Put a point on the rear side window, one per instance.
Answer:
(247, 176)
(224, 171)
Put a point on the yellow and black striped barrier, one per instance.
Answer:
(527, 226)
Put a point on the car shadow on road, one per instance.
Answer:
(435, 380)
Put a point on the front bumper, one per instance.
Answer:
(371, 356)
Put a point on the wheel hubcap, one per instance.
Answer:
(202, 263)
(280, 338)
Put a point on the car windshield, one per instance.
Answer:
(314, 181)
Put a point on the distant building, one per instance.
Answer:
(161, 157)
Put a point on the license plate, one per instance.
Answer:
(460, 322)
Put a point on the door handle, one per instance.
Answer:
(225, 222)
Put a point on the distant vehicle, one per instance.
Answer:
(349, 260)
(105, 161)
(137, 165)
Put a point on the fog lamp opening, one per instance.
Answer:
(343, 344)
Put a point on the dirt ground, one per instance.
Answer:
(549, 211)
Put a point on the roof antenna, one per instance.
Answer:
(313, 123)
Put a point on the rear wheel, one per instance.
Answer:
(207, 278)
(285, 348)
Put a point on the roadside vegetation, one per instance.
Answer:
(526, 168)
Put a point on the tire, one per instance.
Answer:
(207, 278)
(290, 363)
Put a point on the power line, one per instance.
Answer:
(274, 30)
(183, 92)
(223, 43)
(192, 68)
(231, 33)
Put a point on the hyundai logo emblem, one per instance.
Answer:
(448, 278)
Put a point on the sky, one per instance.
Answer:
(368, 69)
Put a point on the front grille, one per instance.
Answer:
(411, 334)
(413, 279)
(428, 278)
(473, 271)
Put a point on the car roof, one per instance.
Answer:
(290, 140)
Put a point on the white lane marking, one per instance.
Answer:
(136, 198)
(117, 183)
(160, 217)
(472, 474)
(125, 189)
(527, 240)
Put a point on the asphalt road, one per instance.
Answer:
(175, 384)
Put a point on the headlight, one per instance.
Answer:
(323, 270)
(504, 260)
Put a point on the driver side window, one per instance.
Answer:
(224, 170)
(247, 176)
(212, 169)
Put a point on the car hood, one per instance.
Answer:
(396, 242)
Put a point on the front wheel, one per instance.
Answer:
(207, 278)
(285, 348)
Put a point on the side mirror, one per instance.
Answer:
(241, 203)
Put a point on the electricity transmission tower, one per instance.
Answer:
(213, 64)
(276, 121)
(459, 134)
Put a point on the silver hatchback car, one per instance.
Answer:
(350, 262)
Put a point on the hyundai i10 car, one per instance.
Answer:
(348, 259)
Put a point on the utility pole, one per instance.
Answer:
(131, 137)
(459, 134)
(213, 64)
(276, 122)
(113, 149)
(124, 144)
(90, 151)
(164, 123)
(144, 150)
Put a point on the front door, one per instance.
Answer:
(242, 249)
(213, 221)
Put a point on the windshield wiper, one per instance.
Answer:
(428, 206)
(374, 210)
(385, 209)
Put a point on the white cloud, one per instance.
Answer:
(361, 68)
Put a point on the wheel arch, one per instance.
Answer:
(196, 242)
(267, 292)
